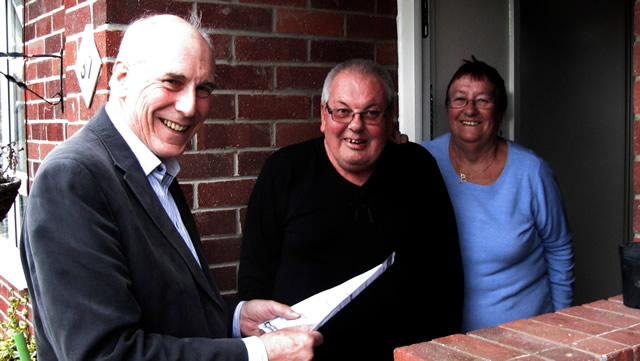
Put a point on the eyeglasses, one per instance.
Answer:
(346, 115)
(480, 103)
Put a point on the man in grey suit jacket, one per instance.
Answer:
(110, 250)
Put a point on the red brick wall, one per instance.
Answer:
(601, 330)
(272, 56)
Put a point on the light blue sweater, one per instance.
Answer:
(514, 237)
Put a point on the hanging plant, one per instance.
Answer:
(9, 183)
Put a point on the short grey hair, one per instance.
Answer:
(364, 67)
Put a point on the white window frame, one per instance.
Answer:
(12, 129)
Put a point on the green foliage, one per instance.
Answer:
(8, 349)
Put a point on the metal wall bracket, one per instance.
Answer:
(24, 86)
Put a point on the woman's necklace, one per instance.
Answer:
(463, 177)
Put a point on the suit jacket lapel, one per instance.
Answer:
(135, 178)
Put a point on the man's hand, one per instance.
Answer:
(292, 343)
(256, 312)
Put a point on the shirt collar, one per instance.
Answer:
(147, 159)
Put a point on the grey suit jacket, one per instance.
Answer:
(109, 276)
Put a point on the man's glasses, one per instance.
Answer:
(346, 115)
(480, 103)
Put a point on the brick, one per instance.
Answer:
(29, 32)
(290, 133)
(34, 10)
(300, 78)
(605, 317)
(55, 132)
(348, 5)
(567, 354)
(53, 44)
(37, 88)
(100, 11)
(224, 193)
(478, 347)
(573, 323)
(124, 11)
(266, 106)
(243, 77)
(310, 23)
(334, 51)
(70, 3)
(225, 277)
(35, 47)
(517, 340)
(545, 332)
(57, 20)
(187, 190)
(243, 215)
(233, 17)
(607, 350)
(636, 138)
(636, 58)
(371, 27)
(255, 48)
(73, 128)
(316, 108)
(216, 222)
(428, 351)
(222, 250)
(47, 112)
(617, 307)
(50, 5)
(387, 53)
(33, 151)
(76, 19)
(626, 337)
(235, 135)
(636, 177)
(43, 27)
(205, 165)
(53, 90)
(71, 109)
(31, 112)
(636, 18)
(44, 69)
(221, 45)
(222, 106)
(636, 97)
(45, 149)
(250, 163)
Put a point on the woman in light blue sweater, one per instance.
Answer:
(514, 236)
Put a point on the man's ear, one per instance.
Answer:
(118, 82)
(323, 119)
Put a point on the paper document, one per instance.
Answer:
(319, 308)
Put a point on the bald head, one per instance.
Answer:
(151, 37)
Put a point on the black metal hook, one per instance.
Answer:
(24, 86)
